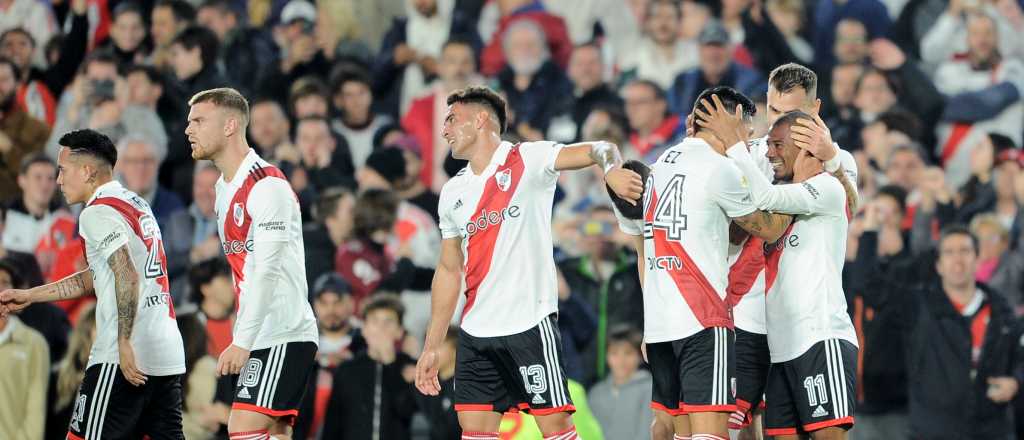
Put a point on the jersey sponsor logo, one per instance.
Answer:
(503, 179)
(236, 246)
(670, 262)
(156, 300)
(491, 218)
(811, 189)
(110, 238)
(238, 214)
(273, 226)
(789, 240)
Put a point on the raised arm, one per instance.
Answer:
(444, 296)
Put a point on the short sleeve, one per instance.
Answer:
(272, 207)
(104, 229)
(728, 188)
(629, 226)
(539, 158)
(449, 228)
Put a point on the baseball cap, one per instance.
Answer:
(298, 10)
(331, 282)
(713, 33)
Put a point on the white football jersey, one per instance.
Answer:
(115, 217)
(503, 216)
(689, 199)
(804, 300)
(258, 206)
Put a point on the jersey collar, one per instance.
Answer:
(497, 159)
(243, 169)
(113, 184)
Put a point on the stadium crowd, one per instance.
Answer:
(348, 99)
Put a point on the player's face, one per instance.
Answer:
(71, 177)
(782, 152)
(460, 130)
(333, 310)
(781, 103)
(957, 260)
(206, 130)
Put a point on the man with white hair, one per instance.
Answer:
(139, 160)
(537, 89)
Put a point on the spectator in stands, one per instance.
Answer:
(338, 30)
(299, 54)
(138, 160)
(20, 133)
(410, 50)
(194, 62)
(619, 28)
(410, 187)
(945, 34)
(373, 396)
(33, 16)
(214, 292)
(70, 372)
(204, 242)
(838, 111)
(243, 50)
(352, 97)
(874, 95)
(653, 127)
(326, 159)
(984, 72)
(28, 217)
(46, 318)
(332, 226)
(945, 323)
(439, 410)
(1009, 164)
(340, 341)
(128, 34)
(828, 14)
(620, 401)
(494, 56)
(661, 53)
(978, 195)
(590, 90)
(38, 87)
(456, 68)
(891, 129)
(269, 132)
(308, 98)
(94, 101)
(361, 259)
(999, 267)
(200, 379)
(578, 328)
(851, 45)
(536, 88)
(904, 166)
(169, 17)
(25, 359)
(717, 68)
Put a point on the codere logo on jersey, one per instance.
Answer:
(237, 246)
(487, 219)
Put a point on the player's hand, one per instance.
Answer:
(643, 352)
(626, 184)
(426, 373)
(727, 125)
(806, 166)
(127, 358)
(232, 360)
(13, 300)
(814, 136)
(1002, 389)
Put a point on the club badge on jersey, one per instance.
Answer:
(238, 214)
(503, 179)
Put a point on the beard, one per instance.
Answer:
(526, 66)
(332, 326)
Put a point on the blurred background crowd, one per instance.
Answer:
(348, 98)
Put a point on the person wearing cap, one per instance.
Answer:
(717, 68)
(340, 340)
(300, 55)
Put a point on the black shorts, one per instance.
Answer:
(814, 391)
(694, 374)
(274, 379)
(510, 373)
(108, 407)
(753, 361)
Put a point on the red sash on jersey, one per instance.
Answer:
(772, 257)
(237, 223)
(745, 270)
(133, 217)
(480, 246)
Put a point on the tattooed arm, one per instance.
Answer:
(73, 286)
(126, 290)
(764, 225)
(850, 188)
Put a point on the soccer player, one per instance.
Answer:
(132, 386)
(496, 225)
(688, 325)
(274, 341)
(813, 345)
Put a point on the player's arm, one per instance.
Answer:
(765, 225)
(126, 291)
(444, 296)
(73, 286)
(725, 186)
(808, 196)
(638, 244)
(625, 183)
(850, 188)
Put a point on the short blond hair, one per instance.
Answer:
(226, 98)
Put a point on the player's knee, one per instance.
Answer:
(245, 421)
(660, 430)
(553, 423)
(830, 433)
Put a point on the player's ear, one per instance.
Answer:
(817, 106)
(230, 126)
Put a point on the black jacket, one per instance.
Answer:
(353, 410)
(440, 412)
(947, 395)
